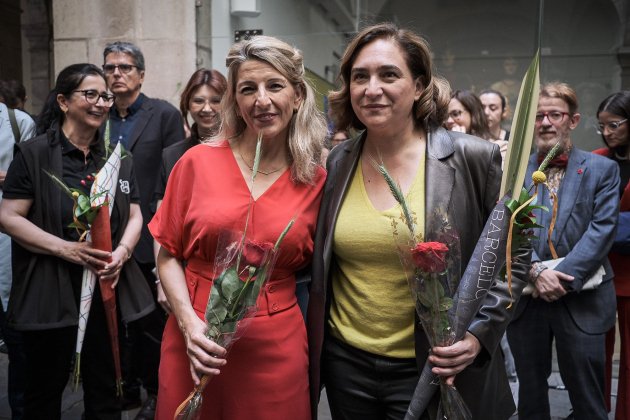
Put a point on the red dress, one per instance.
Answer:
(266, 375)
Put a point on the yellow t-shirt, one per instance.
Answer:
(372, 307)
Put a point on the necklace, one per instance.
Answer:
(84, 149)
(251, 167)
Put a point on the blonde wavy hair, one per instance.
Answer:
(429, 111)
(307, 128)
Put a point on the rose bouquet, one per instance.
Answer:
(241, 268)
(496, 254)
(432, 269)
(91, 218)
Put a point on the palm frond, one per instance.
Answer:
(522, 131)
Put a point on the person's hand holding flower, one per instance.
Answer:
(205, 356)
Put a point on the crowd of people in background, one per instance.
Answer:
(337, 300)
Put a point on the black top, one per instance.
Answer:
(45, 288)
(170, 156)
(76, 168)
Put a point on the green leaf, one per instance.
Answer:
(446, 303)
(107, 138)
(216, 311)
(84, 203)
(229, 327)
(524, 195)
(512, 205)
(522, 131)
(230, 285)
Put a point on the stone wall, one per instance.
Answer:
(163, 29)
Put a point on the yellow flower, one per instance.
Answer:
(75, 194)
(539, 177)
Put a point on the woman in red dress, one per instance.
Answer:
(265, 375)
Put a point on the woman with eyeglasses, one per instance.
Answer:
(201, 99)
(49, 255)
(612, 116)
(466, 115)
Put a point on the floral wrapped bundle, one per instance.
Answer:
(434, 282)
(91, 215)
(481, 273)
(240, 271)
(504, 237)
(100, 233)
(432, 268)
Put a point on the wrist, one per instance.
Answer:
(534, 272)
(128, 251)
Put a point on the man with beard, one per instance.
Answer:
(144, 126)
(562, 305)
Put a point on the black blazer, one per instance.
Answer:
(158, 126)
(462, 175)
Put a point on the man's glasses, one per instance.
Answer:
(124, 68)
(611, 126)
(92, 96)
(552, 116)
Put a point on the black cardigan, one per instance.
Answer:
(42, 294)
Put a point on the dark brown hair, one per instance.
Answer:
(478, 120)
(430, 110)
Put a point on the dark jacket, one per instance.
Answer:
(588, 206)
(158, 126)
(170, 156)
(463, 175)
(42, 293)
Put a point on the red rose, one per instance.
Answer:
(254, 253)
(430, 257)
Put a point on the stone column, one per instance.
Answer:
(163, 29)
(36, 54)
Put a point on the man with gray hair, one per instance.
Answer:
(144, 126)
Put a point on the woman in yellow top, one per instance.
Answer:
(364, 342)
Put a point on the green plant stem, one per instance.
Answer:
(283, 234)
(251, 197)
(237, 301)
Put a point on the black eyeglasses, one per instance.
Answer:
(553, 116)
(612, 126)
(92, 96)
(124, 68)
